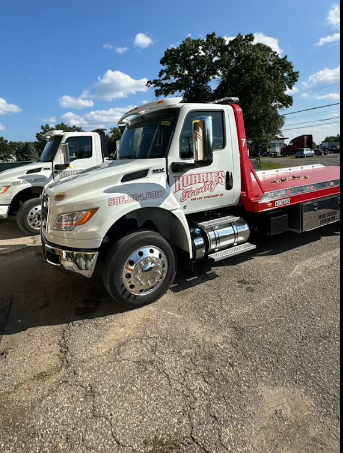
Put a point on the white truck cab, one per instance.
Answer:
(21, 187)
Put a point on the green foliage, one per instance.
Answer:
(333, 139)
(113, 137)
(190, 69)
(204, 70)
(5, 150)
(22, 151)
(114, 134)
(28, 152)
(41, 142)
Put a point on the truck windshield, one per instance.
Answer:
(50, 149)
(148, 136)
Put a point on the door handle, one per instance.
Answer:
(229, 180)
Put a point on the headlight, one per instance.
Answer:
(4, 189)
(67, 222)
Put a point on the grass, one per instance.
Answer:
(265, 165)
(271, 166)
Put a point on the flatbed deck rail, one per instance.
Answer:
(267, 190)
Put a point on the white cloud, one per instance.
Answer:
(75, 103)
(74, 120)
(293, 91)
(325, 76)
(51, 121)
(334, 96)
(116, 84)
(143, 41)
(268, 41)
(8, 109)
(273, 43)
(119, 50)
(334, 20)
(329, 39)
(334, 17)
(97, 118)
(122, 50)
(2, 127)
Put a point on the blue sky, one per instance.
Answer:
(86, 62)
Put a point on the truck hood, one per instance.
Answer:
(22, 170)
(108, 174)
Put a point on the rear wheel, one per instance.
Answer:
(29, 216)
(139, 269)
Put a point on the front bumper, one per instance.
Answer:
(4, 211)
(80, 262)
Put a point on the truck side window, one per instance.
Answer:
(80, 147)
(186, 138)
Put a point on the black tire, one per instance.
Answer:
(29, 217)
(125, 277)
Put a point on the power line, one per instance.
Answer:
(313, 121)
(314, 114)
(305, 127)
(310, 90)
(313, 108)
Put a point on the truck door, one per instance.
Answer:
(201, 188)
(84, 153)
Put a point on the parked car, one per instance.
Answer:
(304, 152)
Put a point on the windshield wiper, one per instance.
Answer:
(127, 157)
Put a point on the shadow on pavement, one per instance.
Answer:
(266, 246)
(10, 230)
(38, 295)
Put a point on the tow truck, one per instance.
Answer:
(182, 186)
(21, 187)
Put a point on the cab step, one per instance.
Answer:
(232, 251)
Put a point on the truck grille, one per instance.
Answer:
(45, 210)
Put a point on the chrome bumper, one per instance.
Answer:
(80, 262)
(4, 211)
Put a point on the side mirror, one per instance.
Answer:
(203, 140)
(65, 154)
(65, 157)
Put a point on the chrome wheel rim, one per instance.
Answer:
(34, 217)
(145, 270)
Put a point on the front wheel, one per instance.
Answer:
(139, 269)
(29, 216)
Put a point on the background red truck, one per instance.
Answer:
(303, 141)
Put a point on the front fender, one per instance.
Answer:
(141, 201)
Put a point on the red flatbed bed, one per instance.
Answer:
(267, 190)
(277, 188)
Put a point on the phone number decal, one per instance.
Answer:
(124, 199)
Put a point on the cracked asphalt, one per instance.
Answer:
(243, 357)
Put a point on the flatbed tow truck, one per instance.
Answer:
(182, 185)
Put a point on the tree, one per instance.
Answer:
(28, 152)
(113, 137)
(41, 142)
(203, 70)
(333, 139)
(114, 134)
(190, 69)
(5, 150)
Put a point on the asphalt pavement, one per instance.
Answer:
(243, 357)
